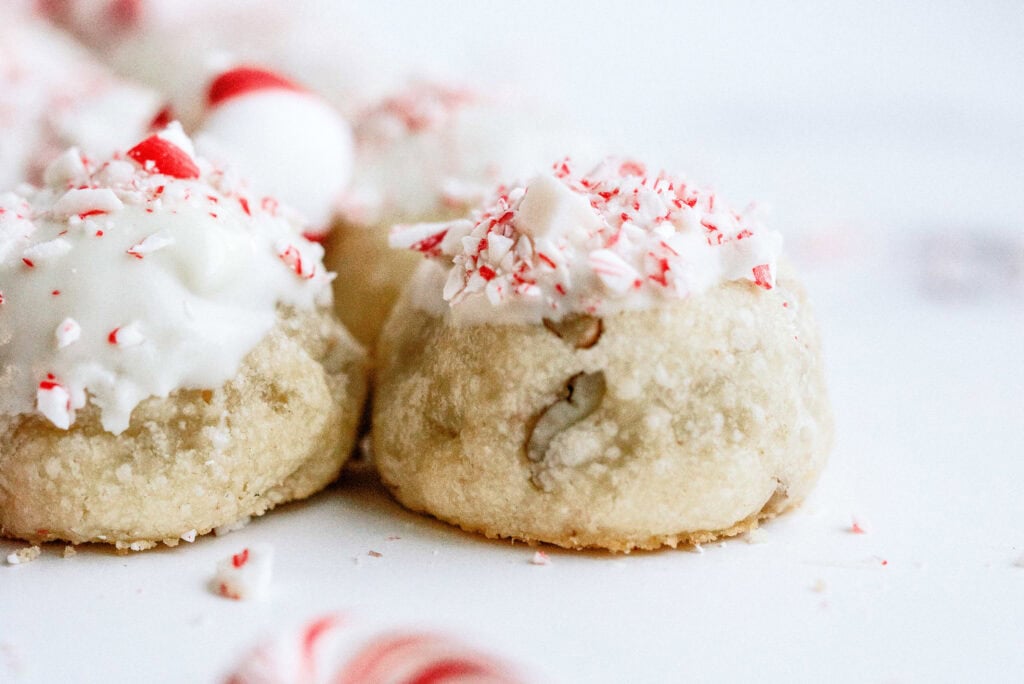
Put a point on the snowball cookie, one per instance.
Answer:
(428, 153)
(285, 140)
(54, 95)
(169, 362)
(607, 360)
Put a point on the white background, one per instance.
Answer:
(887, 137)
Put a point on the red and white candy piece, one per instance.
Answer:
(286, 141)
(54, 401)
(168, 153)
(67, 333)
(617, 275)
(86, 202)
(126, 336)
(245, 575)
(333, 649)
(290, 254)
(150, 244)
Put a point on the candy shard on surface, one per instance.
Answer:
(245, 575)
(540, 558)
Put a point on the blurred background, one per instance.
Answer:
(905, 116)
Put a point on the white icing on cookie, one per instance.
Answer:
(613, 239)
(137, 276)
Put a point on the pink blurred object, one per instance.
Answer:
(333, 648)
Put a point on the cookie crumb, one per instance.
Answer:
(221, 530)
(246, 574)
(756, 536)
(69, 551)
(540, 558)
(25, 555)
(375, 554)
(819, 586)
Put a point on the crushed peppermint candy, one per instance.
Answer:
(149, 271)
(246, 574)
(540, 558)
(618, 237)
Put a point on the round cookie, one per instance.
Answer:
(169, 362)
(286, 140)
(593, 391)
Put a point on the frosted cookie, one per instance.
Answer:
(614, 359)
(427, 153)
(54, 95)
(169, 362)
(285, 140)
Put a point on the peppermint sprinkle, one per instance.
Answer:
(54, 402)
(151, 244)
(126, 336)
(246, 574)
(68, 332)
(292, 258)
(85, 202)
(159, 154)
(540, 558)
(42, 251)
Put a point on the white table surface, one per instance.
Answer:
(892, 214)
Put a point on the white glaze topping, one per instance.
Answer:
(286, 141)
(432, 152)
(613, 239)
(145, 273)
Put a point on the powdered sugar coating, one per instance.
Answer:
(565, 242)
(122, 283)
(245, 575)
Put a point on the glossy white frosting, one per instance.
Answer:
(138, 275)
